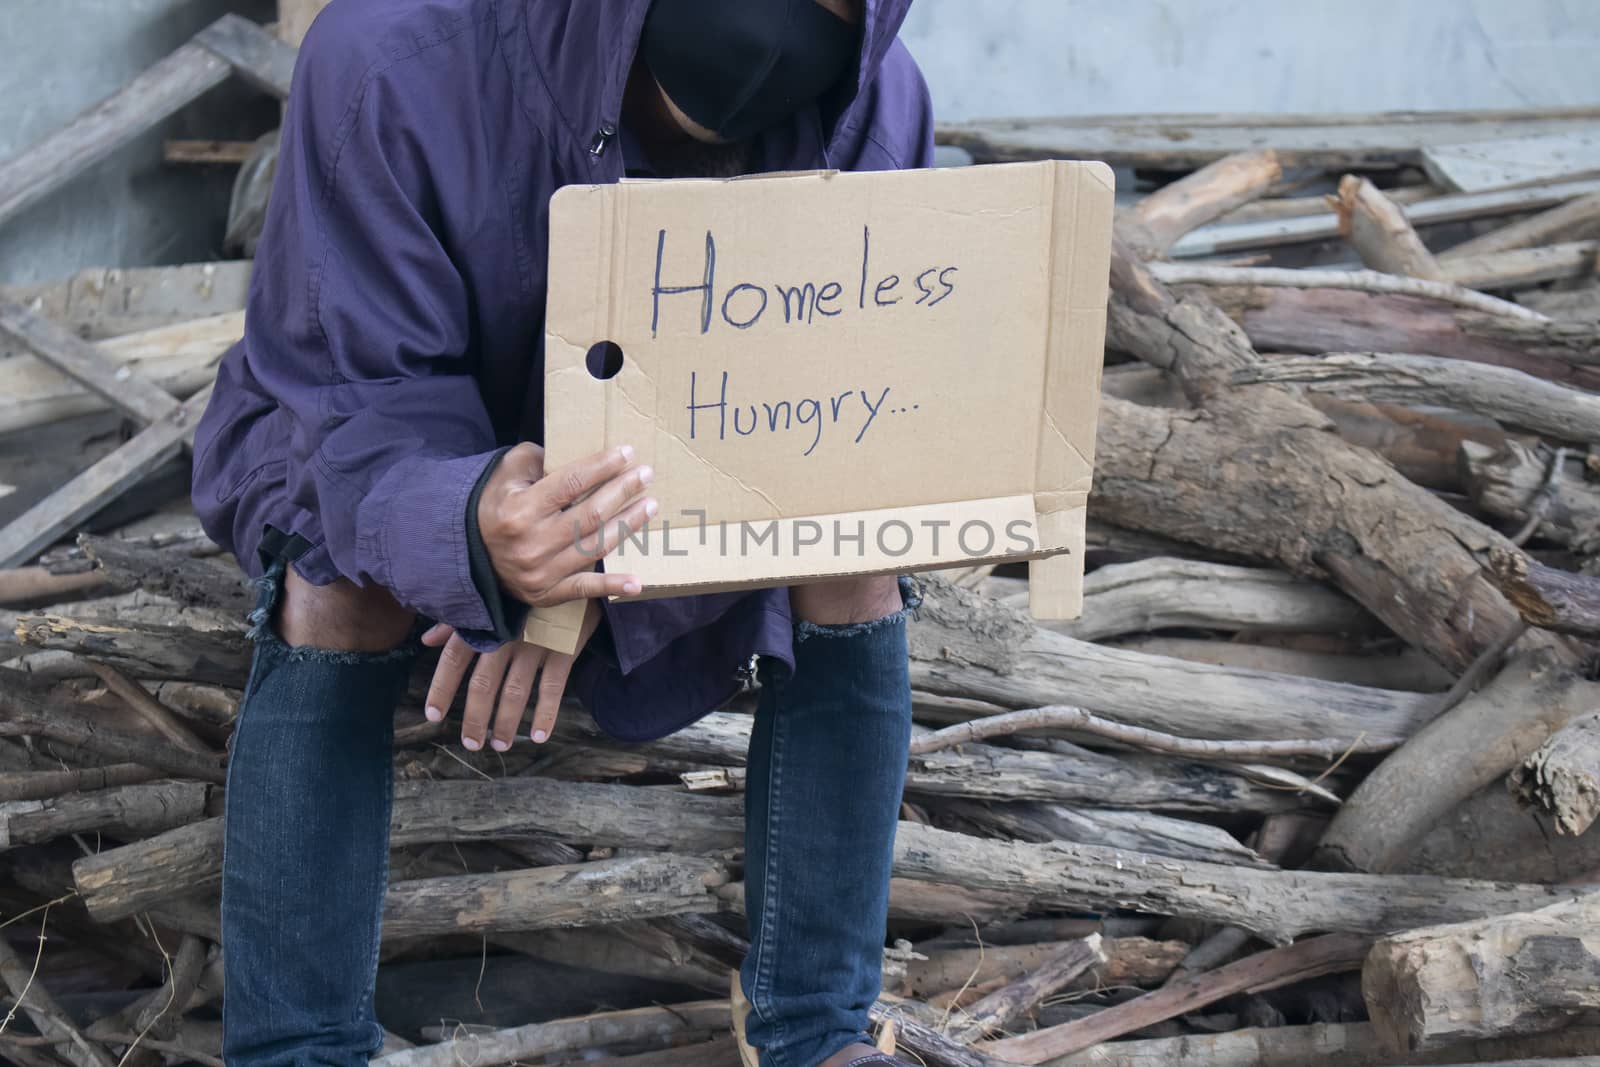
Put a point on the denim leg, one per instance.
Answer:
(305, 850)
(826, 769)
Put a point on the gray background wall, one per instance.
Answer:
(988, 58)
(982, 57)
(58, 57)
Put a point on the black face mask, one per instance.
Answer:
(737, 67)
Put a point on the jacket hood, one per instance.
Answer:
(572, 41)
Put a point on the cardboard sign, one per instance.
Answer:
(836, 373)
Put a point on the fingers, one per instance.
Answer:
(552, 685)
(453, 663)
(564, 485)
(482, 689)
(606, 503)
(514, 693)
(437, 634)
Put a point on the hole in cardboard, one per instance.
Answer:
(604, 359)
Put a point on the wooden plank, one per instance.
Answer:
(220, 152)
(1480, 165)
(1233, 237)
(85, 364)
(57, 514)
(255, 55)
(101, 302)
(1182, 142)
(1523, 266)
(161, 90)
(180, 359)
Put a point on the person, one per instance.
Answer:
(369, 455)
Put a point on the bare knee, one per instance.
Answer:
(341, 616)
(840, 601)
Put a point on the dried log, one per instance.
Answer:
(916, 901)
(1507, 481)
(1548, 597)
(1407, 670)
(1064, 717)
(1579, 305)
(1355, 141)
(985, 771)
(1212, 191)
(1135, 831)
(1563, 775)
(152, 711)
(971, 646)
(1509, 396)
(659, 1026)
(1235, 482)
(126, 880)
(1161, 593)
(1576, 343)
(47, 1017)
(123, 811)
(1330, 1045)
(926, 1044)
(1275, 905)
(1467, 748)
(1389, 544)
(1420, 444)
(144, 650)
(162, 1015)
(1265, 970)
(42, 785)
(1511, 974)
(636, 949)
(1573, 219)
(1527, 266)
(22, 715)
(1377, 229)
(583, 894)
(1490, 835)
(206, 583)
(1128, 961)
(997, 1010)
(1346, 320)
(31, 587)
(1363, 281)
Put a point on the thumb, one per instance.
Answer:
(524, 463)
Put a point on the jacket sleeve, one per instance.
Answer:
(359, 323)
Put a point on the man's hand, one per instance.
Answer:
(501, 683)
(544, 532)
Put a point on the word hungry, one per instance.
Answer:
(855, 408)
(745, 303)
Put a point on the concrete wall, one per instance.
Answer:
(988, 58)
(58, 57)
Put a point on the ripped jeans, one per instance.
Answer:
(306, 842)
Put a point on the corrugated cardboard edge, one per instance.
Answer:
(1085, 194)
(592, 212)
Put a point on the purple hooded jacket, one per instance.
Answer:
(394, 336)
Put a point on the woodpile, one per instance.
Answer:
(1329, 712)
